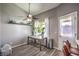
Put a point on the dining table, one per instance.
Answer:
(37, 38)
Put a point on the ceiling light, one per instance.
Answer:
(29, 17)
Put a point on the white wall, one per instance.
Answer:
(12, 33)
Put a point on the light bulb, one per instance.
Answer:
(29, 19)
(30, 15)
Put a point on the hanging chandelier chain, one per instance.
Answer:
(29, 8)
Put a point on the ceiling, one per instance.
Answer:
(37, 8)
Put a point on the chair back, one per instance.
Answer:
(69, 45)
(66, 48)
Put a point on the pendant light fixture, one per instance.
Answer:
(29, 17)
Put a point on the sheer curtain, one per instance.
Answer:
(46, 34)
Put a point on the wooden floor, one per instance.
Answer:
(33, 50)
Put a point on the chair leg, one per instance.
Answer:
(40, 45)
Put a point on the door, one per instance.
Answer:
(67, 29)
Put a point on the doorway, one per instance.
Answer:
(67, 29)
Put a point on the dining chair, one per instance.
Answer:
(68, 50)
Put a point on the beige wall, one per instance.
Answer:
(0, 25)
(53, 15)
(11, 33)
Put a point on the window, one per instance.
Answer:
(39, 27)
(68, 25)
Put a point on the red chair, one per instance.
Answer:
(68, 50)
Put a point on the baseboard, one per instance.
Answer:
(19, 45)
